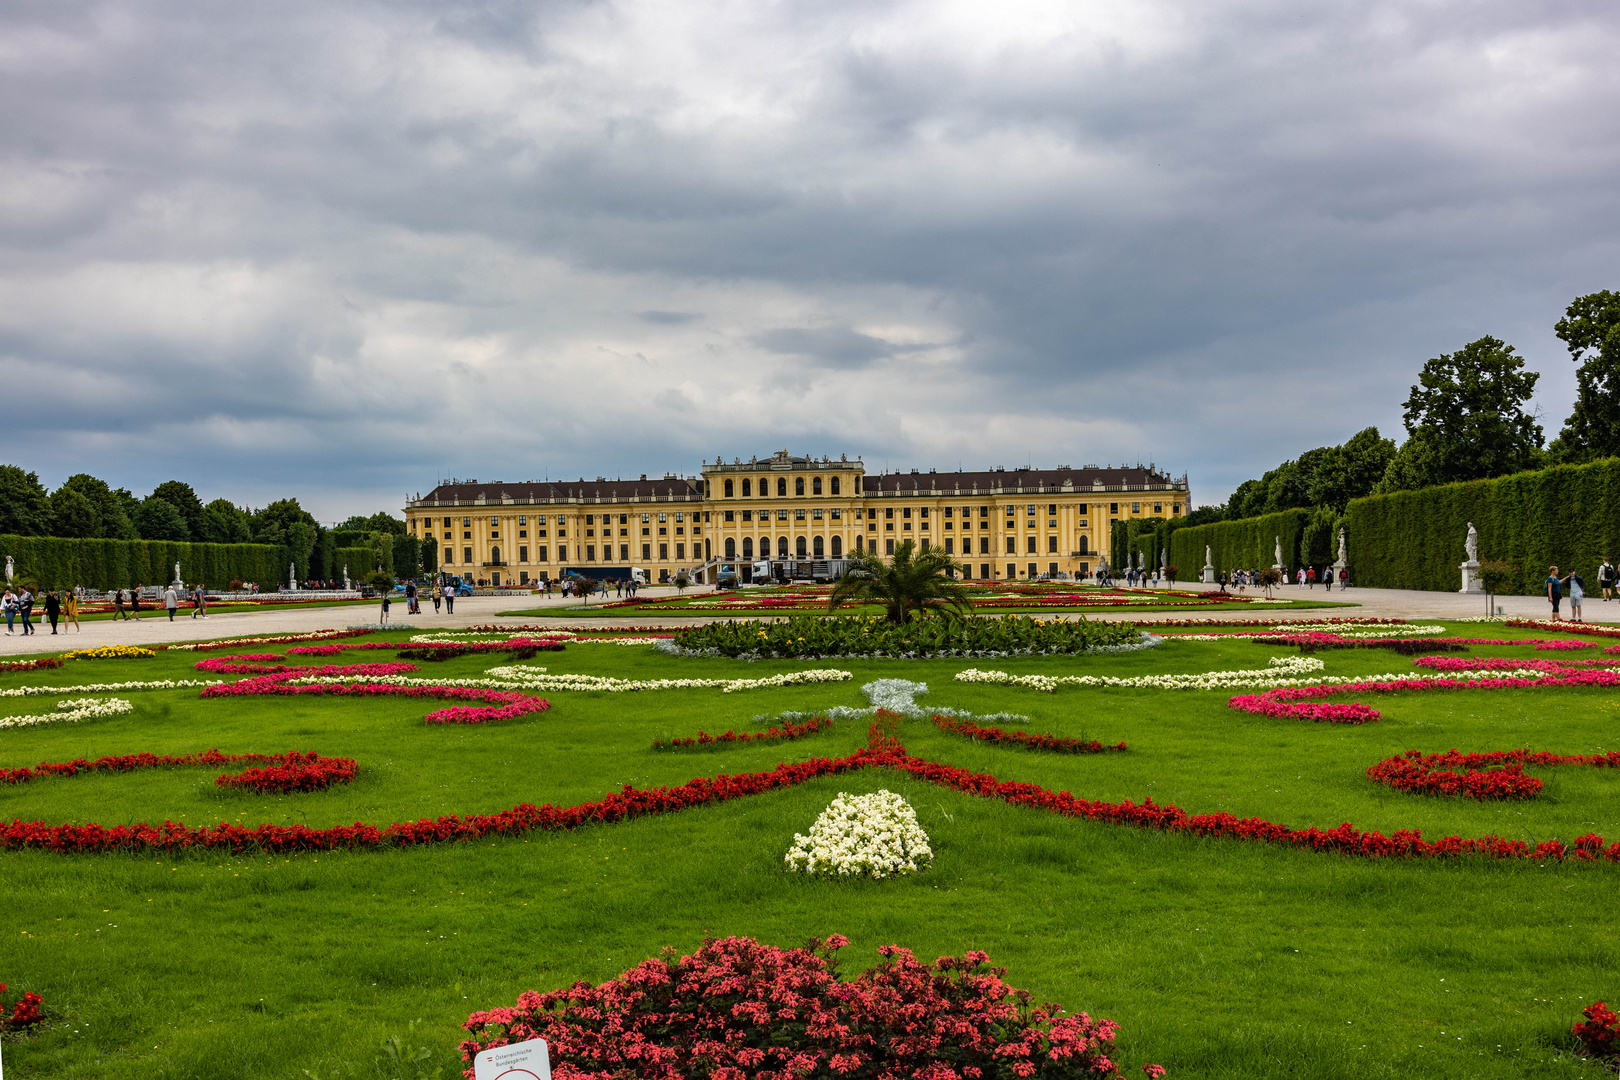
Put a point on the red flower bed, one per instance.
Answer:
(442, 650)
(1599, 1032)
(737, 1008)
(1566, 627)
(21, 1014)
(1497, 774)
(1365, 620)
(500, 704)
(1058, 743)
(781, 733)
(291, 771)
(283, 639)
(44, 663)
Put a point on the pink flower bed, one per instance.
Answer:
(1292, 702)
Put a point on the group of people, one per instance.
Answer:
(1554, 586)
(413, 599)
(572, 587)
(1305, 577)
(60, 608)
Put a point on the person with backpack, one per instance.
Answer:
(1577, 590)
(1606, 578)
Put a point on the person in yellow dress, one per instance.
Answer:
(70, 612)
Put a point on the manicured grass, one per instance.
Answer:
(654, 610)
(158, 611)
(1219, 958)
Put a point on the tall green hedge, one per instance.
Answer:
(1247, 544)
(60, 562)
(1568, 516)
(360, 561)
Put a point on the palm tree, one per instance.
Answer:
(913, 583)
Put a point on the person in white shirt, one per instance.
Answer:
(170, 601)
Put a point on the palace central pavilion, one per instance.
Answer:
(786, 516)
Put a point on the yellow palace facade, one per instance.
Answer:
(786, 516)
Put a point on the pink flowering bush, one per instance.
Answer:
(739, 1009)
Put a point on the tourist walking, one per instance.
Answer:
(71, 610)
(410, 598)
(199, 602)
(25, 602)
(1606, 578)
(1577, 591)
(170, 601)
(53, 607)
(118, 605)
(385, 609)
(8, 603)
(135, 602)
(1554, 589)
(437, 600)
(449, 600)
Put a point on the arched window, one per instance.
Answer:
(728, 489)
(781, 546)
(494, 554)
(835, 485)
(838, 547)
(1085, 545)
(781, 488)
(798, 485)
(816, 547)
(731, 548)
(803, 549)
(748, 544)
(747, 487)
(815, 486)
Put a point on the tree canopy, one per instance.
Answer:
(913, 583)
(1590, 329)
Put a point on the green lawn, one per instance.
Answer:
(1219, 958)
(691, 605)
(151, 610)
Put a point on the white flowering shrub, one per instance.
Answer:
(863, 836)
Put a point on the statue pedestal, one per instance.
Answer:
(1338, 570)
(1208, 576)
(1470, 577)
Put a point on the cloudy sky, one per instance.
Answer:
(342, 250)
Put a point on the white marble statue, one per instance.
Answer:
(1471, 545)
(292, 576)
(346, 585)
(1342, 560)
(177, 578)
(1278, 550)
(10, 570)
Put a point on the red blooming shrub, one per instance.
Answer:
(737, 1008)
(778, 733)
(293, 772)
(1058, 743)
(1599, 1032)
(22, 1014)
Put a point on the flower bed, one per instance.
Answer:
(1281, 671)
(286, 772)
(281, 639)
(804, 637)
(1057, 743)
(521, 648)
(1290, 702)
(535, 678)
(737, 1008)
(785, 732)
(42, 664)
(111, 652)
(1497, 774)
(883, 751)
(1599, 1033)
(875, 836)
(70, 711)
(498, 705)
(102, 688)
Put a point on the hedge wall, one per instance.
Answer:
(360, 561)
(53, 561)
(1568, 516)
(1247, 544)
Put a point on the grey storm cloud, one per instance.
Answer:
(339, 251)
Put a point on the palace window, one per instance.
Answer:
(646, 552)
(663, 530)
(948, 511)
(523, 519)
(781, 515)
(815, 486)
(624, 519)
(815, 514)
(662, 518)
(888, 526)
(1031, 512)
(493, 520)
(748, 547)
(905, 513)
(748, 487)
(466, 523)
(523, 534)
(984, 511)
(449, 555)
(835, 485)
(731, 547)
(837, 515)
(663, 553)
(447, 523)
(1158, 508)
(624, 552)
(984, 545)
(950, 545)
(838, 547)
(590, 552)
(799, 547)
(466, 534)
(781, 547)
(781, 490)
(798, 515)
(888, 546)
(748, 515)
(680, 517)
(540, 553)
(1113, 508)
(1031, 546)
(871, 526)
(680, 530)
(680, 551)
(1051, 545)
(1175, 508)
(413, 524)
(731, 515)
(1085, 545)
(888, 511)
(539, 519)
(858, 546)
(523, 553)
(798, 485)
(466, 555)
(728, 489)
(646, 518)
(950, 524)
(1136, 508)
(1011, 509)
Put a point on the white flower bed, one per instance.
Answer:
(99, 688)
(863, 836)
(1283, 667)
(73, 709)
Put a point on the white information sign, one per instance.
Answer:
(520, 1061)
